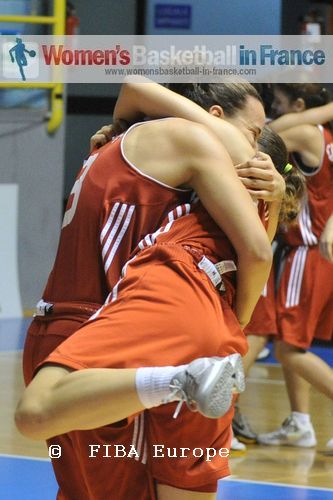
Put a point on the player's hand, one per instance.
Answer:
(261, 178)
(105, 134)
(326, 241)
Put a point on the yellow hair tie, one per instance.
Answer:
(287, 168)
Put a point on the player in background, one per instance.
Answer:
(304, 304)
(264, 317)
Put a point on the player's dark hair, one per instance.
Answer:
(265, 90)
(272, 144)
(313, 94)
(230, 96)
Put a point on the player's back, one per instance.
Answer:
(318, 202)
(111, 207)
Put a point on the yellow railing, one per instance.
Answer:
(56, 99)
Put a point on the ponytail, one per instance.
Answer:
(272, 144)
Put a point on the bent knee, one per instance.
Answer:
(284, 352)
(33, 410)
(31, 417)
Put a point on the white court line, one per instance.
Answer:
(229, 479)
(283, 485)
(24, 457)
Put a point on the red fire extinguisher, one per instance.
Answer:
(72, 20)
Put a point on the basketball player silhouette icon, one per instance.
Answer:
(19, 56)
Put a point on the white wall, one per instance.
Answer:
(34, 161)
(10, 297)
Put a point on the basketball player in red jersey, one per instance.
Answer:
(104, 228)
(54, 310)
(258, 175)
(153, 100)
(165, 311)
(263, 320)
(305, 297)
(177, 263)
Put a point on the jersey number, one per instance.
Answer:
(69, 214)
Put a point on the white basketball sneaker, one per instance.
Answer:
(237, 446)
(291, 433)
(207, 384)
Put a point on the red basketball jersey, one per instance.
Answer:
(190, 224)
(111, 207)
(318, 203)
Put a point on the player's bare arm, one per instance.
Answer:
(137, 100)
(312, 116)
(307, 141)
(326, 240)
(213, 177)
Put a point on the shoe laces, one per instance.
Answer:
(177, 390)
(290, 424)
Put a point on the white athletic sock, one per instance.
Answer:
(152, 383)
(302, 418)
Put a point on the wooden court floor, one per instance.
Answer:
(264, 402)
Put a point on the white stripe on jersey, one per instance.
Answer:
(173, 215)
(313, 238)
(296, 277)
(114, 229)
(305, 225)
(140, 437)
(135, 431)
(144, 457)
(170, 216)
(109, 221)
(119, 238)
(146, 242)
(114, 294)
(179, 211)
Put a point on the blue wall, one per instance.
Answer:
(223, 17)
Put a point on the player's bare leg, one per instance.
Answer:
(307, 365)
(297, 364)
(256, 344)
(298, 391)
(60, 400)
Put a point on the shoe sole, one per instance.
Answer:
(227, 376)
(239, 377)
(294, 444)
(245, 440)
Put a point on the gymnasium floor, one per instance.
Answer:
(263, 473)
